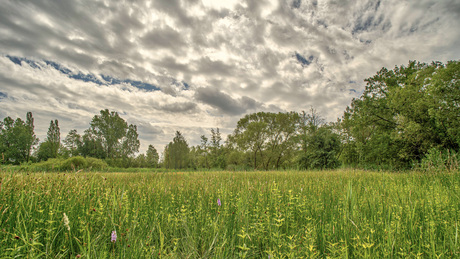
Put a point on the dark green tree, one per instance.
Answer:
(17, 139)
(50, 147)
(109, 129)
(131, 142)
(73, 142)
(402, 114)
(152, 157)
(176, 153)
(32, 139)
(92, 145)
(267, 138)
(322, 149)
(250, 135)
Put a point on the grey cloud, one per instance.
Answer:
(176, 10)
(210, 67)
(172, 64)
(165, 37)
(225, 103)
(186, 107)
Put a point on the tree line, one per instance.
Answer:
(402, 115)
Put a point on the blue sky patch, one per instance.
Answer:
(303, 61)
(107, 80)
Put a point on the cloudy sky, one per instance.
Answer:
(193, 65)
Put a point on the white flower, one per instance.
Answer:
(66, 222)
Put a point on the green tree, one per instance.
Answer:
(73, 142)
(44, 151)
(110, 129)
(31, 139)
(54, 138)
(250, 135)
(50, 147)
(281, 140)
(92, 145)
(152, 157)
(176, 153)
(402, 114)
(131, 141)
(322, 149)
(17, 139)
(202, 152)
(268, 138)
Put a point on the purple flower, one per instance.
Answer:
(114, 236)
(218, 202)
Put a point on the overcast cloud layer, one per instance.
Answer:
(192, 65)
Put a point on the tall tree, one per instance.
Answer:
(73, 142)
(92, 145)
(402, 114)
(32, 139)
(110, 129)
(216, 149)
(250, 135)
(54, 137)
(50, 147)
(322, 149)
(268, 137)
(152, 157)
(203, 150)
(177, 153)
(17, 139)
(131, 141)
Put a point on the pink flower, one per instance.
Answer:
(114, 236)
(218, 202)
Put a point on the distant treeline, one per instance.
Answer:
(406, 117)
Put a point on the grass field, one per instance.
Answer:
(290, 214)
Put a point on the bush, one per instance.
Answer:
(96, 164)
(74, 163)
(69, 164)
(437, 161)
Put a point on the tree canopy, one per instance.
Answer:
(402, 114)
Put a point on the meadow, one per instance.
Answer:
(291, 214)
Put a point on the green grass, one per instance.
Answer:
(291, 214)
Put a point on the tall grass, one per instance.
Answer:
(288, 214)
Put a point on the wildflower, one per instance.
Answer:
(114, 236)
(66, 222)
(218, 202)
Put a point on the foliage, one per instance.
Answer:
(50, 148)
(17, 139)
(176, 153)
(109, 136)
(438, 161)
(268, 139)
(73, 142)
(70, 164)
(290, 214)
(152, 157)
(402, 114)
(322, 150)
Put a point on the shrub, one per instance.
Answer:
(74, 163)
(69, 164)
(96, 164)
(436, 161)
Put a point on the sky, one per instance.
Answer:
(193, 65)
